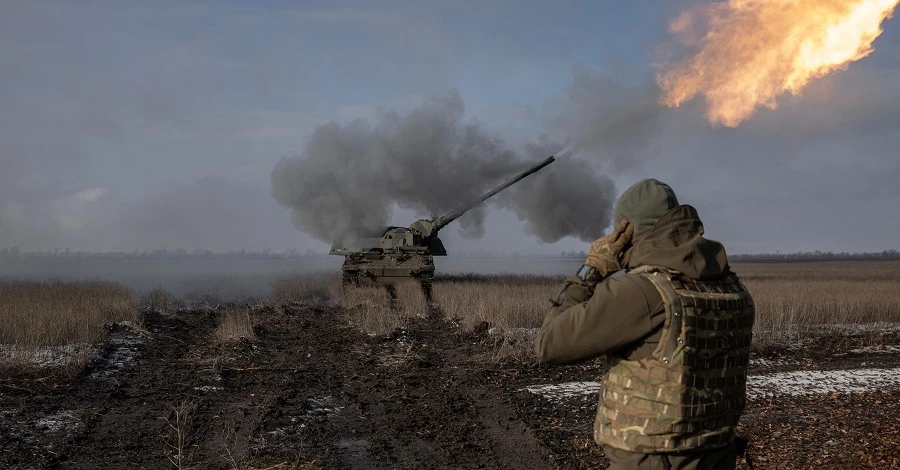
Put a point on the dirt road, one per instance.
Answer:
(313, 393)
(310, 393)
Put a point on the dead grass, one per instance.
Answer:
(370, 309)
(60, 319)
(798, 301)
(60, 313)
(789, 311)
(235, 325)
(159, 300)
(502, 301)
(793, 300)
(510, 306)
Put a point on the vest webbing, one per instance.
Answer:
(690, 393)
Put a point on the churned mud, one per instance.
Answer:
(312, 393)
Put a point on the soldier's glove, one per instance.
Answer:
(605, 251)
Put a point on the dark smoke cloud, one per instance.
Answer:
(573, 199)
(431, 161)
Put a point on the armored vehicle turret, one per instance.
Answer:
(399, 253)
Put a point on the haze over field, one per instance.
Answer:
(129, 126)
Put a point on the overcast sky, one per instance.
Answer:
(144, 125)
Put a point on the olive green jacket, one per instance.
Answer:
(624, 313)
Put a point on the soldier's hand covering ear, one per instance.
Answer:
(604, 254)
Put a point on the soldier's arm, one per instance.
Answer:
(587, 321)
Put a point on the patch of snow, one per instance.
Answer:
(567, 390)
(802, 382)
(856, 328)
(63, 420)
(762, 362)
(876, 350)
(208, 388)
(45, 356)
(812, 382)
(322, 406)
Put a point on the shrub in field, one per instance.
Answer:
(235, 325)
(159, 300)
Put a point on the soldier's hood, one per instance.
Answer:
(676, 242)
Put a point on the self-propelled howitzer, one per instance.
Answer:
(402, 253)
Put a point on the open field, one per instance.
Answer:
(317, 376)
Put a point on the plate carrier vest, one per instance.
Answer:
(689, 394)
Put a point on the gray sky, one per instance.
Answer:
(143, 125)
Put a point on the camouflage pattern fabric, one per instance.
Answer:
(690, 393)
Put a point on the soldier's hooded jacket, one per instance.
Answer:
(679, 315)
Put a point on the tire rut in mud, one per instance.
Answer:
(416, 399)
(128, 411)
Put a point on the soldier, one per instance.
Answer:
(675, 327)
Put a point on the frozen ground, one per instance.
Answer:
(46, 356)
(801, 382)
(812, 382)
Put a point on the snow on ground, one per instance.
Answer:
(813, 382)
(559, 392)
(45, 356)
(876, 350)
(801, 382)
(60, 421)
(762, 362)
(853, 329)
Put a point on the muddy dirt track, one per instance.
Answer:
(313, 393)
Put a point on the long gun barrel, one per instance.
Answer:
(457, 213)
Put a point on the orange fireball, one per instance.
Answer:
(749, 52)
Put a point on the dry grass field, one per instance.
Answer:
(55, 319)
(793, 299)
(502, 301)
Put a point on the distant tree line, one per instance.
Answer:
(14, 252)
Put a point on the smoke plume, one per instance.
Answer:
(573, 199)
(431, 160)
